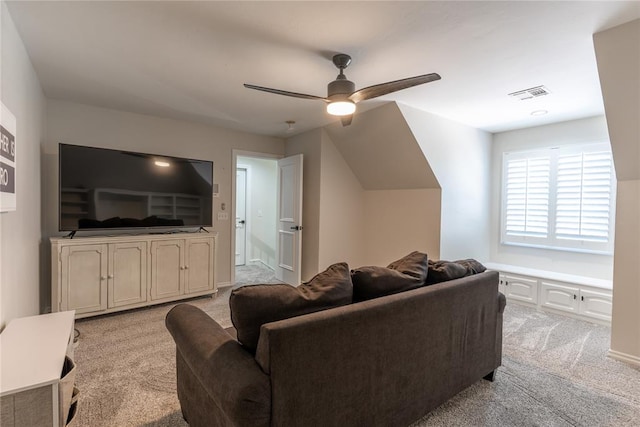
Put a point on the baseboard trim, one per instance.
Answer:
(224, 285)
(623, 357)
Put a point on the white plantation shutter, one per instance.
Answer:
(527, 197)
(584, 196)
(559, 198)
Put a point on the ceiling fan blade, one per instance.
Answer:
(286, 93)
(346, 120)
(389, 87)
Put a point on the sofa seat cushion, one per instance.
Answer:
(442, 271)
(254, 305)
(408, 272)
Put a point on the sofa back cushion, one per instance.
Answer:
(408, 272)
(254, 305)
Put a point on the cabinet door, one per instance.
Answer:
(127, 273)
(199, 265)
(521, 288)
(167, 268)
(84, 278)
(560, 297)
(501, 284)
(596, 304)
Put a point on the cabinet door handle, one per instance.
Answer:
(186, 267)
(581, 298)
(103, 278)
(575, 296)
(110, 276)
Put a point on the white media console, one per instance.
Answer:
(104, 274)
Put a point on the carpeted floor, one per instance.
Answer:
(254, 272)
(555, 373)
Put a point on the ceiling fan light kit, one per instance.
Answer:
(341, 108)
(341, 94)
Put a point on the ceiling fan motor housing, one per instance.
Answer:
(340, 86)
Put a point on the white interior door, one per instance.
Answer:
(289, 241)
(241, 216)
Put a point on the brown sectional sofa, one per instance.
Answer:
(383, 362)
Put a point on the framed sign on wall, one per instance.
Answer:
(8, 167)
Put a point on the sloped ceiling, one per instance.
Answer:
(382, 152)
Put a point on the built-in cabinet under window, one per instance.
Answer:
(585, 298)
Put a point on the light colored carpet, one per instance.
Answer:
(254, 272)
(555, 373)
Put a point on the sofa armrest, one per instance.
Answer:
(230, 375)
(502, 302)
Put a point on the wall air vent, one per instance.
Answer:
(530, 93)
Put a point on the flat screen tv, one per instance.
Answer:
(101, 188)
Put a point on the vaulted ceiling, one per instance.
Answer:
(189, 60)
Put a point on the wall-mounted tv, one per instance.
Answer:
(102, 188)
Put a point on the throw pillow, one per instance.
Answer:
(408, 272)
(442, 271)
(472, 266)
(254, 305)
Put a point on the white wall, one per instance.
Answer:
(588, 130)
(460, 157)
(618, 58)
(397, 222)
(342, 210)
(21, 291)
(261, 209)
(343, 222)
(399, 210)
(625, 322)
(99, 127)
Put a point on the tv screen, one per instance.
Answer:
(105, 189)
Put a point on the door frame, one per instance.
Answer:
(247, 206)
(232, 217)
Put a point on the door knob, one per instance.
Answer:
(241, 221)
(297, 227)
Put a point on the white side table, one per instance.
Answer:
(32, 355)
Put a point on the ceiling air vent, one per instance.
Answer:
(532, 92)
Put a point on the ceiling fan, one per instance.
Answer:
(341, 94)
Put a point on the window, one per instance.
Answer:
(559, 198)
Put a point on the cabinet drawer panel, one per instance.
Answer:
(596, 304)
(521, 288)
(559, 297)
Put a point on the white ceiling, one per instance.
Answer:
(188, 60)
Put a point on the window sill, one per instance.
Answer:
(558, 248)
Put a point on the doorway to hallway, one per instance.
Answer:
(255, 218)
(270, 231)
